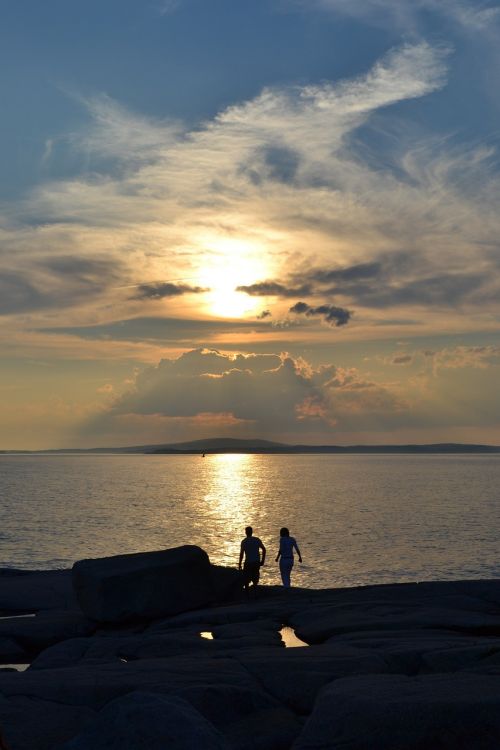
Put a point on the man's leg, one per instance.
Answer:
(255, 575)
(246, 577)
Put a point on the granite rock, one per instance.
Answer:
(143, 585)
(28, 591)
(391, 712)
(140, 721)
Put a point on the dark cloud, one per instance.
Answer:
(166, 289)
(402, 359)
(442, 290)
(17, 294)
(277, 163)
(396, 279)
(390, 280)
(89, 268)
(264, 314)
(176, 330)
(274, 289)
(54, 282)
(282, 163)
(349, 273)
(334, 316)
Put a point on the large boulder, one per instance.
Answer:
(250, 719)
(143, 585)
(392, 712)
(227, 583)
(140, 721)
(37, 724)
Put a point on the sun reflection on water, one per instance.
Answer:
(228, 505)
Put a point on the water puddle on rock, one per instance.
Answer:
(290, 639)
(207, 634)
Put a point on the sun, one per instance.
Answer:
(228, 264)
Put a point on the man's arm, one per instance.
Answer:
(298, 551)
(263, 554)
(241, 556)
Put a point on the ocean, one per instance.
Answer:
(358, 519)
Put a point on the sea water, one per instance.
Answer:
(358, 519)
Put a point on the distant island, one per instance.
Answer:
(235, 445)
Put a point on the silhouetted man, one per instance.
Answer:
(250, 549)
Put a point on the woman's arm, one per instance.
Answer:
(298, 550)
(278, 556)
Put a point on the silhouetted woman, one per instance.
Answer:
(285, 555)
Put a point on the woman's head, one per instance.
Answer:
(284, 531)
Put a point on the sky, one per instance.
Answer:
(273, 219)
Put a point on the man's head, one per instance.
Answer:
(248, 530)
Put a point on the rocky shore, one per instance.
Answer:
(162, 650)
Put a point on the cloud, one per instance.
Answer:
(17, 294)
(273, 394)
(161, 290)
(166, 7)
(118, 136)
(413, 225)
(273, 289)
(407, 13)
(402, 359)
(459, 357)
(264, 314)
(334, 316)
(349, 273)
(400, 278)
(203, 381)
(54, 282)
(162, 329)
(272, 162)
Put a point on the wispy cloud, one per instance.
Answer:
(162, 290)
(273, 289)
(166, 7)
(283, 174)
(472, 16)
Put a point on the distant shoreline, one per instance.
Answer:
(221, 446)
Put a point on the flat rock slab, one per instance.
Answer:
(95, 685)
(33, 634)
(317, 625)
(390, 712)
(26, 591)
(295, 676)
(143, 585)
(80, 651)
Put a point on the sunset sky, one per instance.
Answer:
(265, 218)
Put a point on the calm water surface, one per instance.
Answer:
(358, 519)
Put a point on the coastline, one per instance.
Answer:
(430, 650)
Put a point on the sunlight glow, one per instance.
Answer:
(231, 263)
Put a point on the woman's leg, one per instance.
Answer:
(285, 570)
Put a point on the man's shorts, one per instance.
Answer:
(251, 572)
